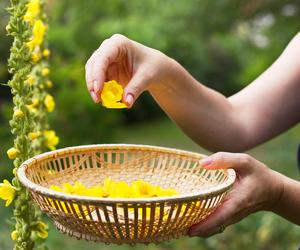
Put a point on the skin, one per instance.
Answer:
(266, 107)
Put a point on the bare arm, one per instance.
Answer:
(288, 205)
(268, 106)
(265, 108)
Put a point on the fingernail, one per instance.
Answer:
(129, 100)
(206, 161)
(97, 86)
(94, 96)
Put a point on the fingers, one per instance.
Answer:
(136, 86)
(223, 216)
(110, 51)
(220, 160)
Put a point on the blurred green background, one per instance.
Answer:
(224, 44)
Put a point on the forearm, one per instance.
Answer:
(288, 205)
(202, 113)
(265, 108)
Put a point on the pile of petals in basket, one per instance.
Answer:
(116, 189)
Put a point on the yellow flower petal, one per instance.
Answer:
(51, 139)
(36, 56)
(111, 95)
(45, 72)
(18, 113)
(7, 192)
(34, 135)
(12, 153)
(33, 10)
(41, 230)
(29, 80)
(46, 53)
(49, 103)
(49, 84)
(14, 235)
(117, 105)
(38, 33)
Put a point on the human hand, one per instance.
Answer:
(133, 65)
(256, 188)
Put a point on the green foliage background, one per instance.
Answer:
(225, 44)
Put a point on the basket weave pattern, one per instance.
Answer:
(120, 220)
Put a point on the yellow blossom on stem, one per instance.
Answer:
(33, 10)
(12, 153)
(51, 139)
(49, 103)
(34, 135)
(41, 230)
(18, 113)
(7, 192)
(35, 102)
(14, 235)
(38, 35)
(36, 56)
(45, 72)
(29, 80)
(49, 84)
(111, 95)
(33, 106)
(46, 53)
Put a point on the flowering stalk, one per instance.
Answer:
(28, 63)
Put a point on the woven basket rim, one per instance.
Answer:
(36, 188)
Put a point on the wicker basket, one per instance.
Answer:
(119, 220)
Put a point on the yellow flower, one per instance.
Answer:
(41, 230)
(46, 53)
(29, 80)
(34, 135)
(38, 35)
(121, 190)
(49, 103)
(14, 235)
(18, 113)
(45, 72)
(111, 95)
(33, 10)
(36, 56)
(51, 139)
(49, 84)
(56, 188)
(33, 106)
(12, 153)
(7, 192)
(108, 186)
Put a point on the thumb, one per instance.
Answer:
(135, 87)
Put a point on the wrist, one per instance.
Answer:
(277, 191)
(169, 76)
